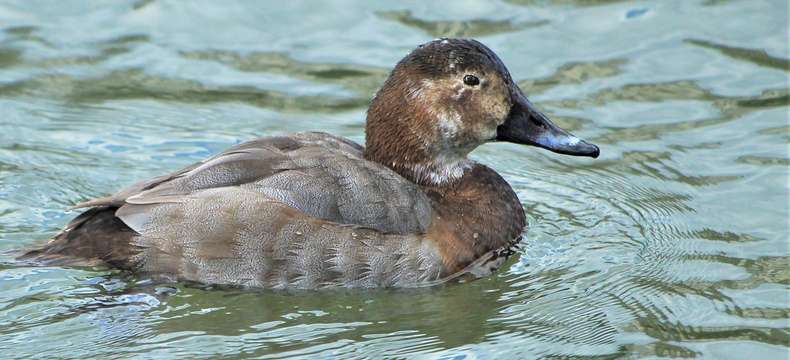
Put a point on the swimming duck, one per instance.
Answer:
(313, 210)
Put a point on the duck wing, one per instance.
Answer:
(322, 175)
(217, 164)
(299, 211)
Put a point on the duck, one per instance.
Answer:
(313, 210)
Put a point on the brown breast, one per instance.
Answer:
(474, 215)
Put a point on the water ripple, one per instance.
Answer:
(672, 244)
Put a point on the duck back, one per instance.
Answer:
(299, 211)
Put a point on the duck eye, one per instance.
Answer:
(471, 80)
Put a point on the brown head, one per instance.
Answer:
(442, 101)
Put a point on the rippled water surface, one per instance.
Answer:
(673, 244)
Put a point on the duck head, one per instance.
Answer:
(446, 98)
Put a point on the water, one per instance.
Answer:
(673, 244)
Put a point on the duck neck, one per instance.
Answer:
(404, 134)
(423, 170)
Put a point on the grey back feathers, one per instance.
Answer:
(299, 211)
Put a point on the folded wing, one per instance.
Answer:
(302, 211)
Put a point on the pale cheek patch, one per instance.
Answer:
(459, 93)
(449, 123)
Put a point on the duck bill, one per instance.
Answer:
(527, 125)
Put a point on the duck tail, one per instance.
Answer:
(94, 237)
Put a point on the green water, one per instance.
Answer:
(673, 244)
